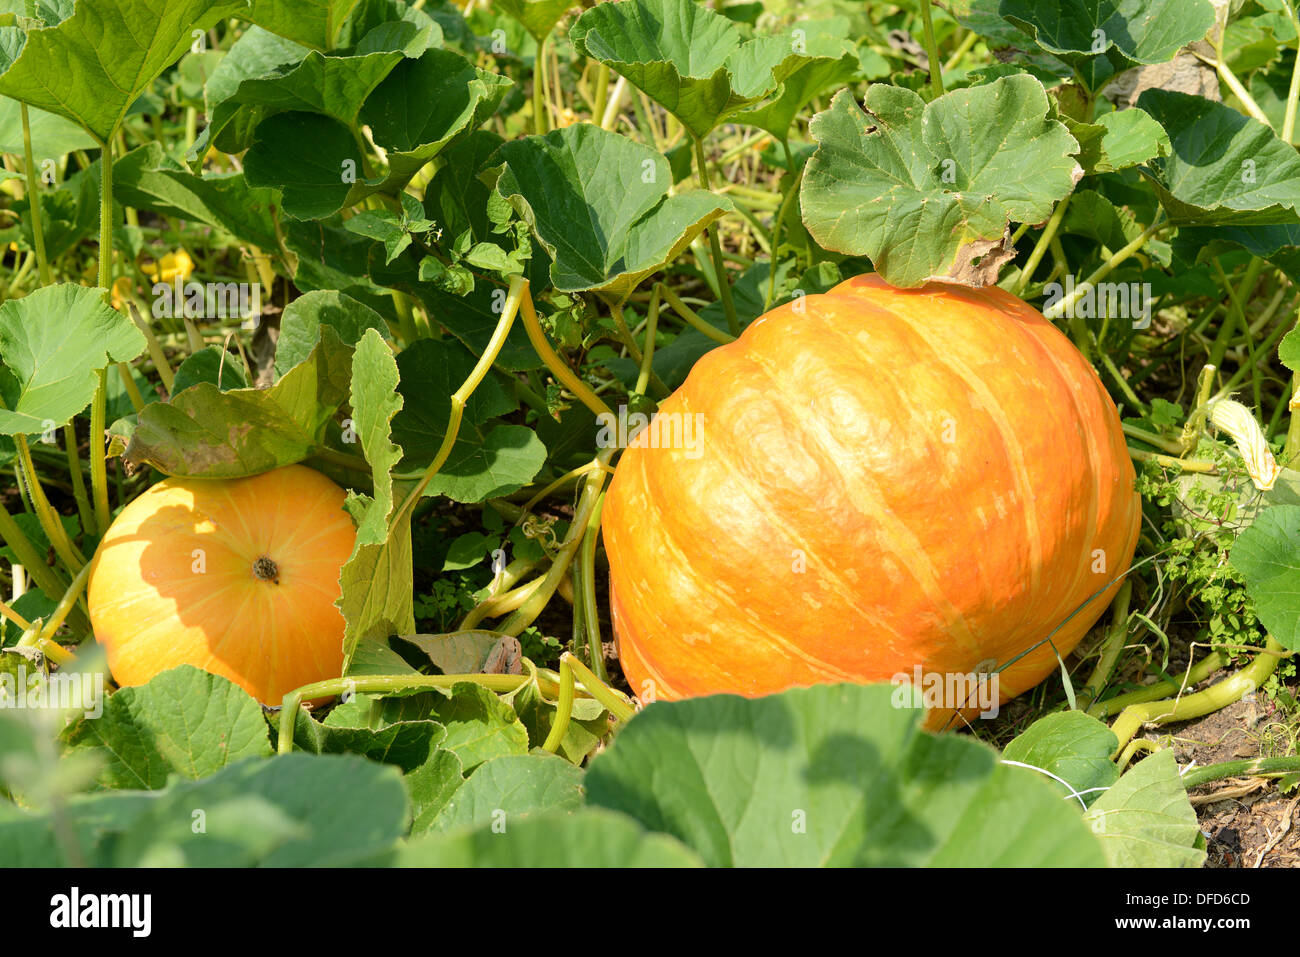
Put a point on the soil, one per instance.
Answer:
(1247, 822)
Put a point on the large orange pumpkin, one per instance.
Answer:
(236, 577)
(880, 479)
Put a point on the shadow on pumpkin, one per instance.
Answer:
(206, 581)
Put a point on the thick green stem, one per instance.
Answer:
(715, 245)
(1233, 688)
(556, 365)
(61, 611)
(518, 289)
(46, 579)
(967, 42)
(932, 51)
(1192, 429)
(1235, 317)
(1111, 647)
(501, 604)
(527, 613)
(540, 119)
(647, 354)
(78, 480)
(98, 462)
(51, 524)
(128, 385)
(1182, 465)
(602, 92)
(1251, 767)
(34, 200)
(384, 684)
(1041, 247)
(1150, 438)
(563, 709)
(99, 404)
(1293, 93)
(1066, 304)
(1162, 689)
(781, 213)
(587, 575)
(1291, 450)
(615, 703)
(691, 318)
(629, 342)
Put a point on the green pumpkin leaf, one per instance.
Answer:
(261, 811)
(333, 86)
(406, 744)
(599, 203)
(376, 600)
(425, 106)
(459, 652)
(183, 722)
(1268, 556)
(1288, 351)
(431, 786)
(693, 62)
(587, 838)
(1074, 747)
(928, 190)
(52, 136)
(375, 401)
(211, 364)
(146, 178)
(480, 726)
(256, 53)
(832, 775)
(503, 791)
(1100, 38)
(313, 159)
(1279, 244)
(376, 583)
(1118, 140)
(314, 23)
(1145, 819)
(204, 432)
(538, 17)
(832, 61)
(105, 55)
(1223, 168)
(301, 322)
(52, 343)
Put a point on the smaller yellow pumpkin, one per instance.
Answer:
(237, 577)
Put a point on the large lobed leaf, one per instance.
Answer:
(599, 203)
(928, 190)
(183, 722)
(831, 775)
(295, 810)
(1223, 168)
(91, 67)
(376, 581)
(1101, 38)
(1267, 554)
(692, 61)
(205, 432)
(52, 343)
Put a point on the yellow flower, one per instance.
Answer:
(1232, 417)
(170, 266)
(566, 117)
(121, 291)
